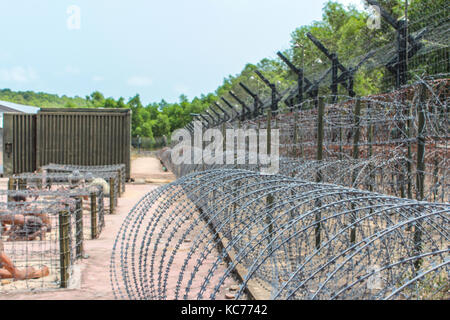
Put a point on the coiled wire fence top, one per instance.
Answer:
(119, 168)
(67, 180)
(283, 238)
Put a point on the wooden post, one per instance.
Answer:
(320, 134)
(356, 135)
(64, 248)
(112, 196)
(94, 229)
(79, 227)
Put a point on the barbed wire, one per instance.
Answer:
(339, 221)
(285, 238)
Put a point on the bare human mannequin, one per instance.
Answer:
(9, 271)
(25, 225)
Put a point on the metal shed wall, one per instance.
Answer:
(69, 136)
(19, 143)
(84, 137)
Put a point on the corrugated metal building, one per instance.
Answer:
(9, 107)
(87, 137)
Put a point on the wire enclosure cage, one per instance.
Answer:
(41, 239)
(91, 202)
(108, 181)
(45, 217)
(60, 168)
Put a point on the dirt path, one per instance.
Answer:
(150, 169)
(93, 273)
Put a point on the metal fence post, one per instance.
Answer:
(11, 187)
(295, 149)
(356, 134)
(269, 199)
(79, 227)
(224, 135)
(64, 248)
(370, 141)
(269, 128)
(93, 215)
(112, 196)
(420, 170)
(119, 183)
(421, 145)
(321, 112)
(320, 134)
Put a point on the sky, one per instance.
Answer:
(158, 49)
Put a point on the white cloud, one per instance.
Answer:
(98, 78)
(72, 70)
(18, 74)
(139, 81)
(74, 18)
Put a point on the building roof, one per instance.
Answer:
(6, 106)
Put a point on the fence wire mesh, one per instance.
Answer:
(41, 238)
(120, 168)
(108, 181)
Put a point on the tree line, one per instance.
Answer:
(342, 29)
